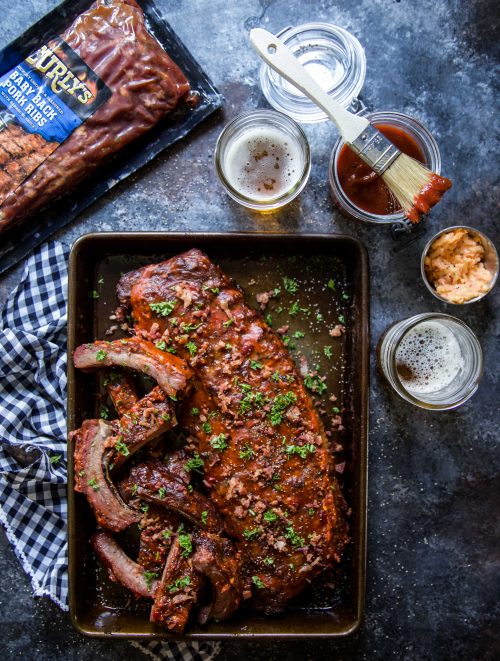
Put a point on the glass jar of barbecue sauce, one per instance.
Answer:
(336, 60)
(361, 194)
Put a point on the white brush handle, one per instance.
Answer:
(281, 59)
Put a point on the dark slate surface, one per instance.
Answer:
(433, 559)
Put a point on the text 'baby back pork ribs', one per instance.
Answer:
(259, 438)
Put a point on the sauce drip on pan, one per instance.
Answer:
(360, 183)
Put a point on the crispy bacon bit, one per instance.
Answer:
(337, 330)
(263, 299)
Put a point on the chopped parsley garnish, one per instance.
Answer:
(165, 416)
(189, 327)
(319, 316)
(111, 378)
(251, 533)
(162, 492)
(195, 411)
(164, 308)
(100, 355)
(290, 285)
(204, 517)
(145, 508)
(276, 376)
(219, 442)
(280, 404)
(246, 453)
(162, 345)
(55, 458)
(104, 412)
(134, 489)
(149, 576)
(315, 384)
(270, 516)
(328, 351)
(167, 534)
(174, 321)
(215, 290)
(207, 427)
(294, 309)
(171, 350)
(269, 319)
(228, 323)
(311, 511)
(335, 409)
(331, 284)
(100, 281)
(192, 348)
(92, 483)
(121, 447)
(345, 297)
(279, 309)
(341, 318)
(194, 463)
(295, 539)
(276, 292)
(258, 582)
(229, 346)
(179, 584)
(255, 365)
(94, 294)
(301, 450)
(81, 473)
(186, 543)
(268, 561)
(292, 566)
(299, 334)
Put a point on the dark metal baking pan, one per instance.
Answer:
(17, 242)
(100, 609)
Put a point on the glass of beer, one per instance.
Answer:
(431, 360)
(262, 159)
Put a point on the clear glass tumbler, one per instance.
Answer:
(431, 360)
(266, 130)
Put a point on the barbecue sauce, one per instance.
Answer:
(359, 182)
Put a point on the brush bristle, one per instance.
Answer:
(415, 187)
(406, 177)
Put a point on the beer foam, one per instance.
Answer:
(428, 358)
(263, 163)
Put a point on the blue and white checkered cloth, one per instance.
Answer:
(33, 507)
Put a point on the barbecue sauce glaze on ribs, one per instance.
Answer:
(247, 412)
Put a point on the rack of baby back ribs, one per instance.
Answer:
(228, 517)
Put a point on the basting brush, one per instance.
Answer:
(416, 188)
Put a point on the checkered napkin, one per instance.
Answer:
(33, 507)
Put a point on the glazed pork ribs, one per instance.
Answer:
(254, 430)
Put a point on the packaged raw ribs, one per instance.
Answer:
(77, 99)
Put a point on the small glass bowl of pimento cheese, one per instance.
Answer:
(460, 265)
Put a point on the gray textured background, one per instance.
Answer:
(433, 561)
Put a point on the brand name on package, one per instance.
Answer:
(47, 62)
